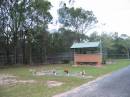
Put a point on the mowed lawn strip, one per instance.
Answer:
(40, 88)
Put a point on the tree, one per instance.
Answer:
(15, 13)
(94, 37)
(116, 46)
(107, 44)
(43, 17)
(21, 21)
(124, 42)
(62, 40)
(5, 33)
(69, 37)
(76, 19)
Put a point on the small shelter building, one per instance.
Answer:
(87, 53)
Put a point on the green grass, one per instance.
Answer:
(40, 89)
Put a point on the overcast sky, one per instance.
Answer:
(115, 14)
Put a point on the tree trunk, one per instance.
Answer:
(23, 53)
(15, 48)
(7, 56)
(42, 55)
(7, 51)
(30, 55)
(45, 54)
(128, 54)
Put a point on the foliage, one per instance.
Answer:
(114, 46)
(20, 23)
(62, 40)
(76, 19)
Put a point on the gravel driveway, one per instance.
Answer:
(115, 85)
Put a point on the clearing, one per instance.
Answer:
(49, 80)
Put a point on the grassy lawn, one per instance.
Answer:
(40, 88)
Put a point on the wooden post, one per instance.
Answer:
(101, 51)
(74, 57)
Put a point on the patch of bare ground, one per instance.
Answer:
(51, 84)
(6, 79)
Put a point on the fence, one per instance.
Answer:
(64, 57)
(117, 56)
(56, 58)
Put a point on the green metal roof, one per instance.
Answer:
(85, 45)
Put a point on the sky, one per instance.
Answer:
(113, 15)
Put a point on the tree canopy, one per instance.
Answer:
(76, 19)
